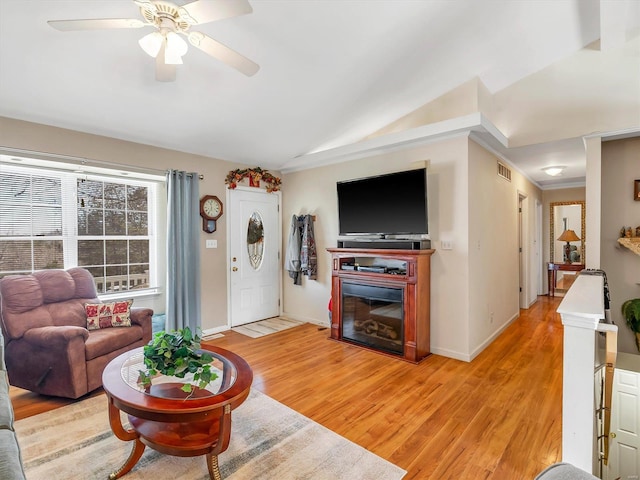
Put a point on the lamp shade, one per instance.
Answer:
(568, 236)
(151, 43)
(175, 49)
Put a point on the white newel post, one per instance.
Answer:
(581, 310)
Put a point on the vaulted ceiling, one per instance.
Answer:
(331, 74)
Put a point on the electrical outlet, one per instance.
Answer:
(446, 244)
(211, 244)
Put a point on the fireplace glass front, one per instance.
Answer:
(373, 316)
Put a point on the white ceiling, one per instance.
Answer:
(332, 72)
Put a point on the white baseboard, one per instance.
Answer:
(301, 318)
(213, 331)
(450, 354)
(224, 328)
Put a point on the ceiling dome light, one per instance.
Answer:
(151, 43)
(553, 171)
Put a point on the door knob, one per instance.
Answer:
(234, 269)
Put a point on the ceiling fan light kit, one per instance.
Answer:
(151, 43)
(175, 48)
(171, 21)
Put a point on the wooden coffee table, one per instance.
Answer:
(164, 419)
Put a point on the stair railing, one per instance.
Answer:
(606, 371)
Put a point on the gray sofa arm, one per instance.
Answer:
(10, 457)
(564, 471)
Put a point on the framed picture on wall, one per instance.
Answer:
(636, 190)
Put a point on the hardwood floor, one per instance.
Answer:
(498, 417)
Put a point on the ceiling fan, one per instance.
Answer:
(171, 22)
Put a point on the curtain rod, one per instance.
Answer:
(200, 176)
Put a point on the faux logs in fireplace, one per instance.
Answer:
(373, 316)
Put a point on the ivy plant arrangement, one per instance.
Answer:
(177, 353)
(631, 312)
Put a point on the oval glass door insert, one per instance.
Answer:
(255, 240)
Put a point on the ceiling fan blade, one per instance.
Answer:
(95, 24)
(209, 11)
(164, 71)
(146, 5)
(223, 53)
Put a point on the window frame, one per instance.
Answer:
(69, 174)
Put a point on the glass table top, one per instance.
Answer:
(168, 387)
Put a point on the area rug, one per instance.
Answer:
(269, 441)
(266, 327)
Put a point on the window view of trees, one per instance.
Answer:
(30, 223)
(105, 230)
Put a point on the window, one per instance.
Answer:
(61, 219)
(30, 223)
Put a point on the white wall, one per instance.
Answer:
(493, 247)
(314, 191)
(467, 204)
(547, 105)
(593, 194)
(465, 99)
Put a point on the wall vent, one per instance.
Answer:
(504, 171)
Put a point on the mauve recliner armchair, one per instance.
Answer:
(48, 348)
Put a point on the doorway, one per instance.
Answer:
(538, 249)
(254, 255)
(522, 263)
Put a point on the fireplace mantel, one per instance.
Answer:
(406, 270)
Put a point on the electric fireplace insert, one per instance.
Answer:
(373, 316)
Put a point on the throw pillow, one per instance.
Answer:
(109, 314)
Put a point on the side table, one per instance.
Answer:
(552, 269)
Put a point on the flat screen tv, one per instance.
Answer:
(391, 204)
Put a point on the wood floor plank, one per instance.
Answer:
(496, 418)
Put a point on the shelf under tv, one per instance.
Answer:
(385, 244)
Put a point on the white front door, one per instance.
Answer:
(254, 251)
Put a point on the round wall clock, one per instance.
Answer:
(210, 211)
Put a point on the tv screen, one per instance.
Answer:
(392, 204)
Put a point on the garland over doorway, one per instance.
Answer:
(255, 175)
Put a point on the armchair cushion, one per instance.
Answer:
(110, 314)
(104, 341)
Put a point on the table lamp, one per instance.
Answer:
(568, 236)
